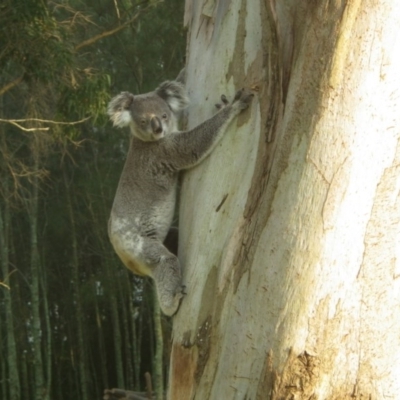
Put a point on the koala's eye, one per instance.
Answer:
(164, 116)
(143, 121)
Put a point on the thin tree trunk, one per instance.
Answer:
(151, 328)
(136, 343)
(81, 357)
(11, 348)
(37, 333)
(25, 381)
(102, 347)
(125, 294)
(48, 347)
(3, 371)
(116, 327)
(158, 380)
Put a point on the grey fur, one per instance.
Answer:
(145, 200)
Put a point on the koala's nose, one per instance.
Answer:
(156, 126)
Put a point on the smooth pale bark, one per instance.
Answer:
(290, 230)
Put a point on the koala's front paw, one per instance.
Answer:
(243, 98)
(241, 101)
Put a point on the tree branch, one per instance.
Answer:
(117, 9)
(16, 122)
(10, 121)
(46, 121)
(10, 85)
(102, 35)
(121, 394)
(2, 283)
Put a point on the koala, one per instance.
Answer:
(144, 203)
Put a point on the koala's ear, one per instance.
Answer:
(118, 109)
(174, 94)
(181, 78)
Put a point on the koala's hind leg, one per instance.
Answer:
(147, 256)
(166, 272)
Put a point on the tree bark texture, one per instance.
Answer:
(290, 230)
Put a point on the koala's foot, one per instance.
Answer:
(170, 303)
(168, 280)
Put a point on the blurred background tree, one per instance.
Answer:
(73, 320)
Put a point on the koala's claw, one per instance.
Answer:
(244, 97)
(238, 94)
(225, 102)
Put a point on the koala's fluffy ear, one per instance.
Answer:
(118, 109)
(174, 94)
(181, 78)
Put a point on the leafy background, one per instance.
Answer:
(73, 320)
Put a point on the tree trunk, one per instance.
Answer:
(49, 348)
(11, 347)
(123, 288)
(290, 229)
(37, 333)
(158, 357)
(82, 352)
(116, 326)
(136, 341)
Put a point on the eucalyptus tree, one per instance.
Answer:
(290, 229)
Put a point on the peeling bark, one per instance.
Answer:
(290, 229)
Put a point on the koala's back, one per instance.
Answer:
(146, 193)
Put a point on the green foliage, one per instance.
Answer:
(47, 74)
(33, 41)
(90, 96)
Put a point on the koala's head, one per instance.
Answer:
(150, 116)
